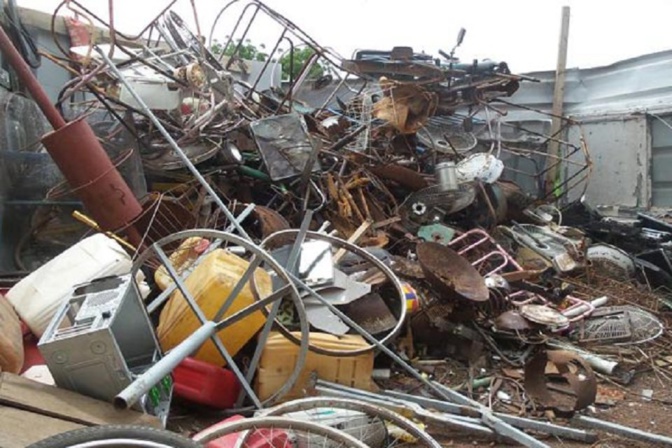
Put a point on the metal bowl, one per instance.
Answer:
(450, 273)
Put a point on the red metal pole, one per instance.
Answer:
(27, 79)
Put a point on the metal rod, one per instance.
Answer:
(173, 144)
(471, 426)
(492, 421)
(518, 422)
(263, 336)
(134, 391)
(165, 294)
(254, 263)
(256, 306)
(623, 431)
(201, 317)
(300, 313)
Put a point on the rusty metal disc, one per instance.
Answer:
(544, 315)
(450, 273)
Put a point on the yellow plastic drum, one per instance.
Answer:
(210, 284)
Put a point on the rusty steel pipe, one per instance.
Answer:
(79, 155)
(90, 172)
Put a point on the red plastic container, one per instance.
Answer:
(207, 384)
(260, 438)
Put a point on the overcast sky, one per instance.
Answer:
(523, 33)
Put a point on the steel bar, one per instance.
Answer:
(165, 294)
(127, 397)
(519, 422)
(263, 336)
(492, 421)
(256, 306)
(253, 265)
(201, 317)
(173, 144)
(471, 426)
(371, 410)
(281, 274)
(623, 431)
(404, 406)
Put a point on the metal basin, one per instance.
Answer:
(450, 273)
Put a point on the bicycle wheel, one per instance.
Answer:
(367, 262)
(400, 430)
(279, 432)
(257, 261)
(117, 436)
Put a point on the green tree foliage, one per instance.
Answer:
(253, 52)
(300, 57)
(247, 50)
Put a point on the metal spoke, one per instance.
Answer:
(201, 317)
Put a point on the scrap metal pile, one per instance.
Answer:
(358, 233)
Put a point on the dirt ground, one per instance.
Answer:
(628, 409)
(635, 411)
(644, 404)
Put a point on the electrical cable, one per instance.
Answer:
(21, 37)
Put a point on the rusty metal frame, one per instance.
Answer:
(290, 29)
(473, 243)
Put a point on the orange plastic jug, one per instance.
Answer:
(210, 284)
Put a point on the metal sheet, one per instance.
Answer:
(284, 144)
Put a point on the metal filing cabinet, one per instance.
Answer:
(101, 339)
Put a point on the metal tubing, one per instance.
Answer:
(254, 263)
(174, 145)
(471, 426)
(623, 431)
(327, 387)
(519, 422)
(263, 336)
(134, 391)
(220, 236)
(165, 294)
(250, 309)
(201, 317)
(492, 421)
(29, 81)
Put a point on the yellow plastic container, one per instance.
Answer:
(279, 358)
(181, 259)
(210, 284)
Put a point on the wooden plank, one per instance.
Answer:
(21, 393)
(19, 428)
(558, 103)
